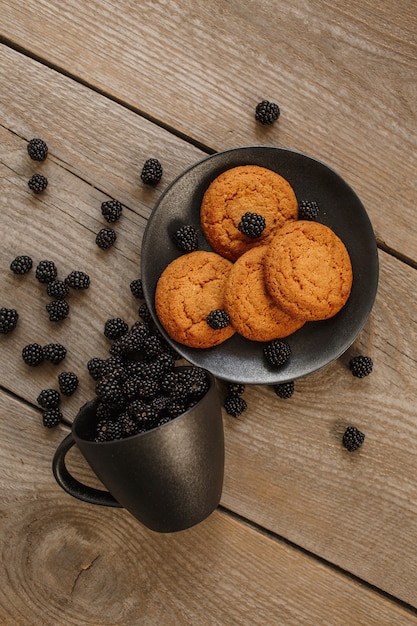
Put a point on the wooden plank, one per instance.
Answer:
(343, 74)
(295, 474)
(66, 562)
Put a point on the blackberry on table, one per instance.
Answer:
(111, 210)
(151, 172)
(267, 112)
(21, 264)
(57, 310)
(48, 398)
(115, 327)
(77, 280)
(8, 320)
(361, 366)
(37, 149)
(46, 271)
(32, 354)
(252, 225)
(284, 390)
(186, 238)
(57, 289)
(308, 210)
(136, 288)
(235, 389)
(52, 417)
(68, 383)
(277, 352)
(106, 238)
(37, 183)
(235, 405)
(218, 319)
(352, 438)
(54, 353)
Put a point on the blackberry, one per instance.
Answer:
(57, 289)
(169, 382)
(57, 310)
(21, 264)
(141, 388)
(114, 328)
(48, 398)
(106, 238)
(52, 417)
(77, 280)
(361, 366)
(68, 383)
(235, 405)
(267, 112)
(114, 366)
(144, 313)
(195, 382)
(142, 412)
(308, 210)
(165, 419)
(277, 352)
(94, 367)
(159, 405)
(151, 172)
(37, 149)
(218, 319)
(284, 390)
(137, 289)
(8, 320)
(252, 225)
(32, 354)
(111, 210)
(37, 183)
(352, 438)
(46, 271)
(127, 344)
(54, 353)
(128, 425)
(235, 389)
(152, 348)
(176, 406)
(110, 391)
(186, 238)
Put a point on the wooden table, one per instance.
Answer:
(306, 533)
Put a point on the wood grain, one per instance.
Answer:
(343, 74)
(69, 563)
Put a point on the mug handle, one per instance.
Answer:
(71, 485)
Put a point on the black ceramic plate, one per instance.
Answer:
(316, 344)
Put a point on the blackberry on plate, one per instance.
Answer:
(235, 389)
(57, 289)
(68, 383)
(48, 398)
(308, 210)
(277, 352)
(77, 280)
(115, 327)
(52, 417)
(252, 225)
(137, 289)
(361, 366)
(8, 320)
(21, 264)
(267, 112)
(151, 172)
(186, 238)
(111, 210)
(284, 390)
(37, 183)
(352, 438)
(235, 405)
(106, 238)
(32, 354)
(94, 367)
(37, 149)
(57, 310)
(218, 319)
(46, 271)
(54, 353)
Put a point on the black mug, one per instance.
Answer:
(169, 478)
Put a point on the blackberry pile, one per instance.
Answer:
(139, 386)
